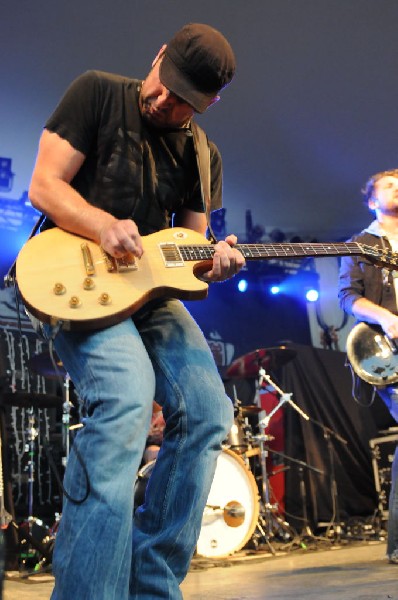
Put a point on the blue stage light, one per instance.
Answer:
(274, 289)
(312, 295)
(243, 285)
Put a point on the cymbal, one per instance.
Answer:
(41, 364)
(270, 359)
(27, 400)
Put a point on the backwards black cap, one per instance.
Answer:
(198, 62)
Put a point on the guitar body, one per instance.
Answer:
(54, 258)
(372, 354)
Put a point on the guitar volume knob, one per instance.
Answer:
(59, 289)
(104, 299)
(88, 283)
(74, 302)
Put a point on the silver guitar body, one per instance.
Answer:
(372, 354)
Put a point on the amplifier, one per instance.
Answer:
(382, 450)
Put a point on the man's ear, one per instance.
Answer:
(159, 55)
(373, 203)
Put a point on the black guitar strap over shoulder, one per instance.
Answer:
(202, 152)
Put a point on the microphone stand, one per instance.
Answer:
(306, 532)
(268, 516)
(264, 422)
(335, 522)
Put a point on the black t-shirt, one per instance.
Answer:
(131, 169)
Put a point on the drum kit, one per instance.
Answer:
(238, 510)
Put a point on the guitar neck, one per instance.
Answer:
(284, 250)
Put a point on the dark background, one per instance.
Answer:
(311, 113)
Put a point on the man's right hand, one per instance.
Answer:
(389, 324)
(121, 237)
(366, 310)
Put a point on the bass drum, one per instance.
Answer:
(231, 513)
(232, 509)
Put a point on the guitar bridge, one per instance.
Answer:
(119, 265)
(171, 255)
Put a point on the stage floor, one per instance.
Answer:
(347, 571)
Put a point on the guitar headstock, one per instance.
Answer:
(382, 257)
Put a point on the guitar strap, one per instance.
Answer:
(202, 151)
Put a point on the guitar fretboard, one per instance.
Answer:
(296, 250)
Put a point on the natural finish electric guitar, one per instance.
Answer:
(65, 278)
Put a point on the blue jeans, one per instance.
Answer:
(101, 551)
(389, 395)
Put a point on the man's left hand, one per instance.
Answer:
(227, 261)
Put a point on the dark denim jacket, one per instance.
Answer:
(359, 277)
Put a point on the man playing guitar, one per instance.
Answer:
(370, 294)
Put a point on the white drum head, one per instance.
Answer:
(232, 508)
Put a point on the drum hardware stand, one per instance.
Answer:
(268, 514)
(268, 511)
(66, 408)
(243, 432)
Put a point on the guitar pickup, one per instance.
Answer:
(171, 255)
(119, 265)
